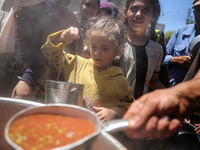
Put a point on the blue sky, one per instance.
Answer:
(174, 13)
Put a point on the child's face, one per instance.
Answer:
(102, 51)
(90, 8)
(139, 15)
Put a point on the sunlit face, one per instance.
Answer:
(197, 16)
(90, 8)
(139, 14)
(102, 52)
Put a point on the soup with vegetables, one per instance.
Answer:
(47, 131)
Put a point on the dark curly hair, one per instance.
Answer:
(156, 14)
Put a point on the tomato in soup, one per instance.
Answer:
(47, 131)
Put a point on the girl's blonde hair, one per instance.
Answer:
(110, 28)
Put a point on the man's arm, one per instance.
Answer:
(158, 114)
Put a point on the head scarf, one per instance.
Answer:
(106, 6)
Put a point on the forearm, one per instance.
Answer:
(174, 60)
(189, 94)
(53, 51)
(183, 61)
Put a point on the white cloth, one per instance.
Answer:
(7, 22)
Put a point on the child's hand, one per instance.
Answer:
(69, 35)
(104, 114)
(21, 90)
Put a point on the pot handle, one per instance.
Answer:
(115, 125)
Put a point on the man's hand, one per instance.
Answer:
(155, 114)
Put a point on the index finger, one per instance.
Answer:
(13, 94)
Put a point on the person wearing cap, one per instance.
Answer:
(178, 58)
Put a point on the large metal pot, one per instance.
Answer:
(10, 106)
(75, 111)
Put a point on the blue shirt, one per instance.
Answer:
(178, 46)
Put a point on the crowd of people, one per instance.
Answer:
(127, 73)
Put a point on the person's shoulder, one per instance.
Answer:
(154, 48)
(154, 44)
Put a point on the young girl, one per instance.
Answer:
(142, 56)
(89, 9)
(106, 90)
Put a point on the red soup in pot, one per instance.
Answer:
(47, 131)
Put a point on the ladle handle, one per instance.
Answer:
(75, 62)
(61, 66)
(115, 125)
